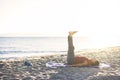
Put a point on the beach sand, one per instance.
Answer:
(16, 70)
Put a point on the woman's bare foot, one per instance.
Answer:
(72, 32)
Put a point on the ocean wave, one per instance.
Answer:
(7, 52)
(7, 47)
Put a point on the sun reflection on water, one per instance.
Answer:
(103, 41)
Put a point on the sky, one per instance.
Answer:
(58, 17)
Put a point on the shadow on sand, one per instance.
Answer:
(106, 78)
(81, 73)
(74, 73)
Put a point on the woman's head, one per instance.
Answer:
(94, 62)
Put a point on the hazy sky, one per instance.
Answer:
(57, 17)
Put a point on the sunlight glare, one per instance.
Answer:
(103, 41)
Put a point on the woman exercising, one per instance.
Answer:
(77, 61)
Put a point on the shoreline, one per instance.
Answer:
(15, 56)
(31, 55)
(37, 55)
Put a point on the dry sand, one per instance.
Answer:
(15, 69)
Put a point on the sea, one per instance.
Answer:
(12, 47)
